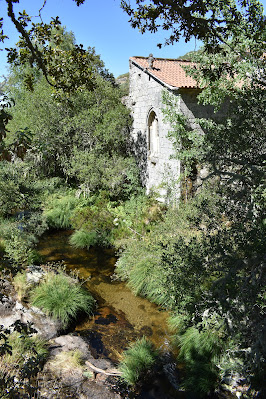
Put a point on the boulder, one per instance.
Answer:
(16, 311)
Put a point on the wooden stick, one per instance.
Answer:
(113, 372)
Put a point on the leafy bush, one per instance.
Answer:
(135, 217)
(118, 175)
(59, 212)
(61, 297)
(35, 258)
(20, 235)
(100, 221)
(165, 265)
(17, 248)
(94, 223)
(137, 360)
(17, 189)
(23, 347)
(12, 189)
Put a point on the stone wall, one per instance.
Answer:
(158, 170)
(145, 97)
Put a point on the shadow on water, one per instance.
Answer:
(121, 317)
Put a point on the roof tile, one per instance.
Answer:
(168, 71)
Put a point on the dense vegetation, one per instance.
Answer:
(67, 162)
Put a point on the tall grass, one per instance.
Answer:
(21, 285)
(60, 212)
(83, 239)
(137, 360)
(61, 297)
(200, 352)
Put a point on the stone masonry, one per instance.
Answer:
(148, 78)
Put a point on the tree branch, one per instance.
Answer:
(36, 54)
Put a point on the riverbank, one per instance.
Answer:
(99, 340)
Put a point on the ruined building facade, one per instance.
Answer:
(148, 78)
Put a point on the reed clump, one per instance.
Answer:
(137, 359)
(61, 297)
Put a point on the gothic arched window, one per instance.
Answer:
(153, 134)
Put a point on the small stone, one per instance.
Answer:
(19, 306)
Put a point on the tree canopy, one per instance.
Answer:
(205, 260)
(214, 22)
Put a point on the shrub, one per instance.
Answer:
(83, 239)
(34, 257)
(94, 223)
(138, 359)
(17, 248)
(60, 211)
(20, 235)
(23, 349)
(61, 297)
(200, 351)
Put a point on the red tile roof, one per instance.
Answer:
(167, 71)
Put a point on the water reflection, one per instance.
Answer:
(121, 317)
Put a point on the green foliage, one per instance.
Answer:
(83, 138)
(16, 192)
(202, 349)
(198, 260)
(123, 82)
(138, 359)
(20, 236)
(21, 285)
(156, 265)
(101, 221)
(135, 217)
(214, 23)
(83, 239)
(22, 357)
(199, 350)
(94, 223)
(61, 297)
(65, 65)
(17, 249)
(35, 258)
(96, 171)
(59, 211)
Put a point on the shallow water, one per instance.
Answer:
(121, 317)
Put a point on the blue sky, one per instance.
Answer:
(101, 24)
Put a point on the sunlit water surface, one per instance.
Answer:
(121, 317)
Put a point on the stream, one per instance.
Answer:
(120, 317)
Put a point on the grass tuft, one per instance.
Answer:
(21, 285)
(137, 359)
(66, 361)
(60, 212)
(83, 239)
(200, 351)
(61, 297)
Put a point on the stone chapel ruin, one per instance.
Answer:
(148, 78)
